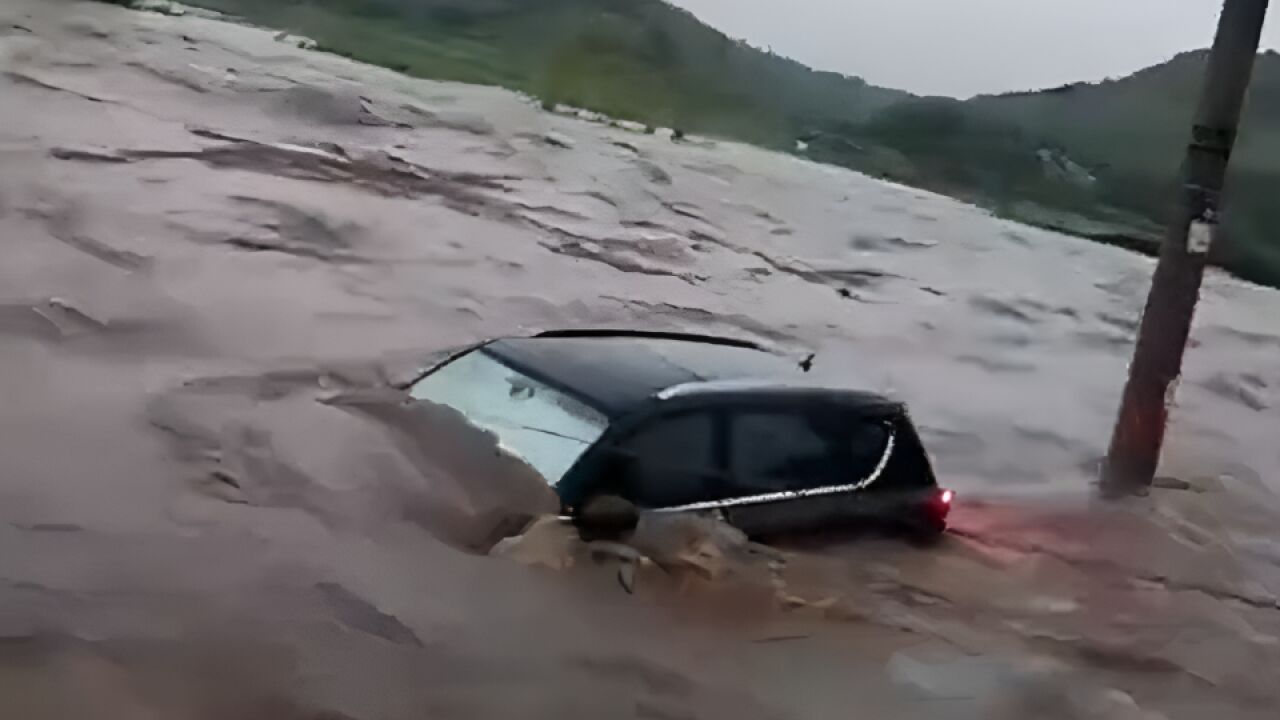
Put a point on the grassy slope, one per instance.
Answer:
(645, 60)
(634, 59)
(1133, 131)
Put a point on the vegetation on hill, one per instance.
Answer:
(1132, 133)
(640, 60)
(1098, 160)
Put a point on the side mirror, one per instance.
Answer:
(606, 517)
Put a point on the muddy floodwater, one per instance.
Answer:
(222, 252)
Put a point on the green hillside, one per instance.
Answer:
(641, 60)
(1131, 132)
(1097, 160)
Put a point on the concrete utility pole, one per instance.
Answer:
(1166, 323)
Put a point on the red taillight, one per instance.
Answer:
(947, 497)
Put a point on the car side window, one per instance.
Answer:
(669, 462)
(868, 440)
(772, 451)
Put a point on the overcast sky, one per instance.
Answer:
(965, 47)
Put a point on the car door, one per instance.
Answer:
(670, 461)
(801, 468)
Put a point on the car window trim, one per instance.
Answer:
(453, 354)
(784, 495)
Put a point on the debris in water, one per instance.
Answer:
(556, 139)
(781, 638)
(1166, 482)
(627, 578)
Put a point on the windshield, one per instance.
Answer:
(542, 426)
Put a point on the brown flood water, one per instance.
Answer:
(221, 252)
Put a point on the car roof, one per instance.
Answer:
(617, 373)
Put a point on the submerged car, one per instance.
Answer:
(690, 423)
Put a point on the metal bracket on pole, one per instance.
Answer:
(1215, 141)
